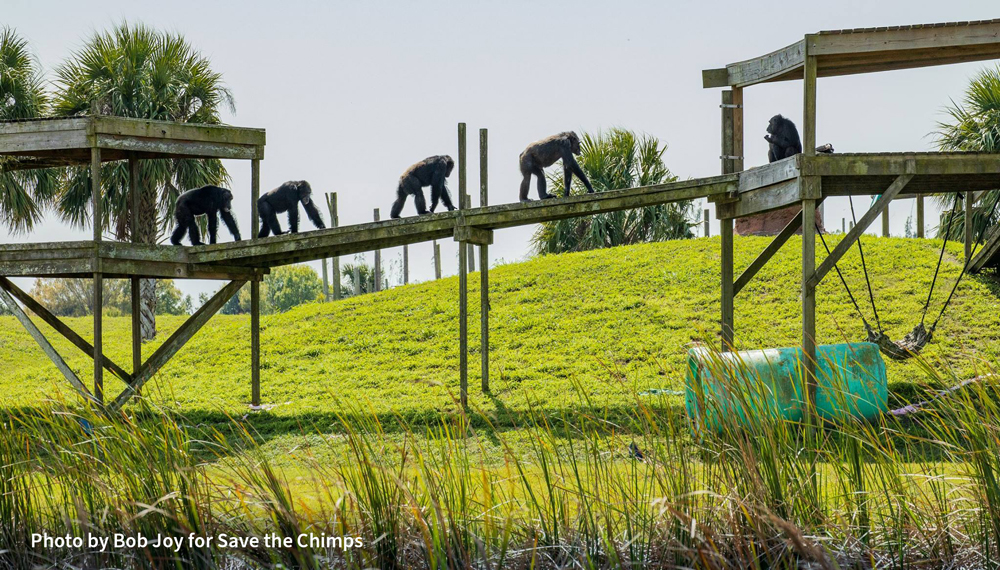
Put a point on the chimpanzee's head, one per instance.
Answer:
(450, 164)
(227, 200)
(305, 191)
(574, 143)
(774, 124)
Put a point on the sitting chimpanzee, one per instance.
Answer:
(783, 139)
(286, 198)
(546, 152)
(205, 201)
(431, 172)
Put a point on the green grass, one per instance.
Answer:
(616, 321)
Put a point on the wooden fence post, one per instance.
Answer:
(463, 285)
(969, 196)
(437, 260)
(484, 267)
(885, 222)
(97, 209)
(920, 216)
(406, 264)
(135, 297)
(705, 223)
(254, 290)
(378, 263)
(331, 205)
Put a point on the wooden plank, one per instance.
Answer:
(714, 78)
(168, 130)
(191, 149)
(46, 347)
(728, 293)
(12, 144)
(769, 174)
(44, 126)
(484, 267)
(469, 234)
(894, 164)
(61, 327)
(176, 341)
(779, 240)
(860, 228)
(762, 199)
(936, 38)
(986, 254)
(769, 67)
(809, 102)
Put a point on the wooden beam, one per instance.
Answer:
(61, 327)
(728, 293)
(378, 262)
(771, 67)
(98, 283)
(779, 240)
(437, 260)
(885, 222)
(809, 103)
(738, 129)
(469, 234)
(714, 78)
(859, 228)
(920, 216)
(47, 347)
(463, 285)
(968, 226)
(727, 151)
(809, 297)
(176, 341)
(331, 205)
(134, 287)
(484, 267)
(938, 38)
(989, 250)
(254, 290)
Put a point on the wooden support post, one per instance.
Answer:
(406, 264)
(843, 225)
(437, 260)
(47, 347)
(920, 216)
(358, 289)
(255, 291)
(331, 204)
(378, 262)
(885, 222)
(809, 103)
(728, 291)
(134, 295)
(95, 190)
(969, 199)
(809, 294)
(463, 286)
(484, 267)
(728, 125)
(737, 163)
(705, 223)
(779, 240)
(326, 281)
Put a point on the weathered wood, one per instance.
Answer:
(885, 222)
(738, 129)
(60, 327)
(920, 216)
(704, 222)
(858, 229)
(968, 226)
(761, 200)
(134, 294)
(463, 285)
(769, 174)
(378, 262)
(809, 102)
(727, 132)
(894, 164)
(98, 284)
(176, 341)
(728, 293)
(484, 266)
(901, 38)
(987, 254)
(331, 205)
(770, 67)
(809, 297)
(469, 234)
(406, 264)
(714, 78)
(437, 260)
(254, 290)
(779, 240)
(46, 347)
(358, 289)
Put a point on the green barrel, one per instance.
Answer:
(767, 384)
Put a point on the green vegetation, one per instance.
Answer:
(361, 435)
(74, 297)
(612, 160)
(283, 288)
(974, 125)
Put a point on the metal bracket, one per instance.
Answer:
(730, 106)
(730, 157)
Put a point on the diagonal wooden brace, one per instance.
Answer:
(866, 220)
(772, 248)
(61, 327)
(47, 347)
(172, 345)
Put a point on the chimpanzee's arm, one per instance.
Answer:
(309, 205)
(230, 221)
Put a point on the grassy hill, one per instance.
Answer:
(610, 322)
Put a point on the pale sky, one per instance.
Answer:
(352, 93)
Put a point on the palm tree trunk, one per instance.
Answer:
(145, 220)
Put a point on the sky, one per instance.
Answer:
(352, 93)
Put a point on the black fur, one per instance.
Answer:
(431, 172)
(205, 201)
(783, 138)
(286, 198)
(545, 153)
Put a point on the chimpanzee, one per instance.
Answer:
(783, 138)
(546, 152)
(286, 198)
(431, 172)
(205, 201)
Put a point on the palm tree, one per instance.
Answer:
(136, 71)
(23, 193)
(614, 160)
(974, 125)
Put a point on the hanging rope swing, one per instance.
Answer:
(921, 335)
